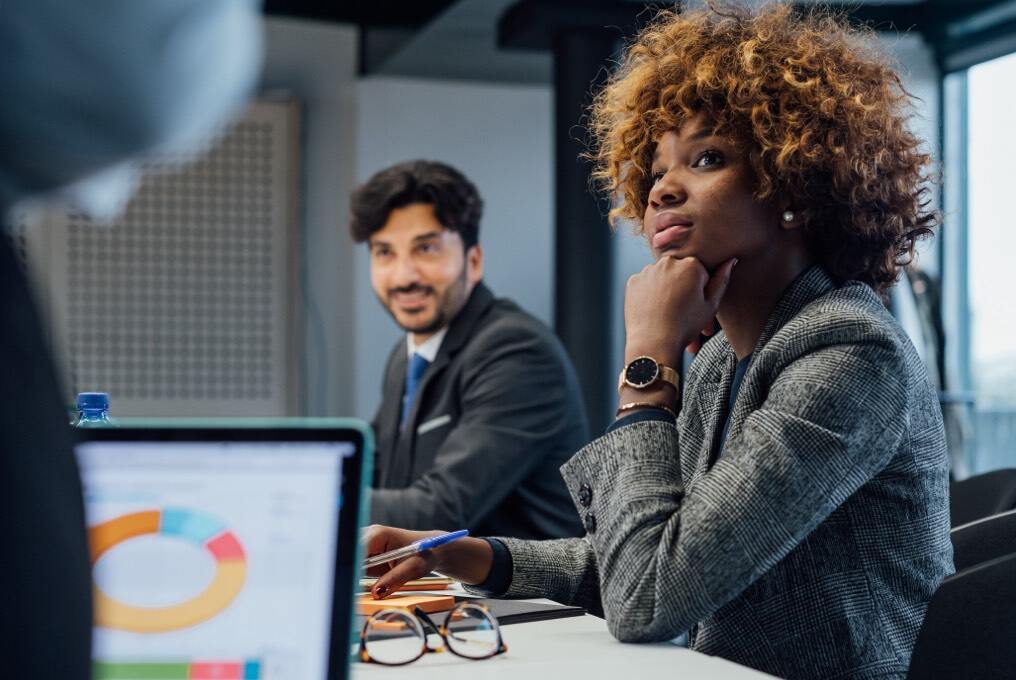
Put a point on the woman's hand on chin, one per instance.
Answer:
(668, 304)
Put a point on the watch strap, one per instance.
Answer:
(669, 375)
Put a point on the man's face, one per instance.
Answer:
(420, 270)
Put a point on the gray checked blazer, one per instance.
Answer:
(809, 546)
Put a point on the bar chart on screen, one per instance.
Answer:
(178, 670)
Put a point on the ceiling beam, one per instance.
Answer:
(360, 12)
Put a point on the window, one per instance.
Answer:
(980, 259)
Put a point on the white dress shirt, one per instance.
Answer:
(429, 348)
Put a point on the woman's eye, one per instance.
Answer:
(707, 158)
(656, 177)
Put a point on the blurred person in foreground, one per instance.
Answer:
(794, 516)
(86, 87)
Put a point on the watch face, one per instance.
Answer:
(641, 372)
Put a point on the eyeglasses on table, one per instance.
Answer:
(395, 637)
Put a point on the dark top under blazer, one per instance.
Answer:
(496, 415)
(810, 547)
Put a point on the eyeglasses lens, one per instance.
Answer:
(394, 637)
(472, 632)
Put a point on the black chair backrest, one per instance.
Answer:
(984, 540)
(970, 628)
(982, 495)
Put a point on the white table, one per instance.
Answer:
(578, 647)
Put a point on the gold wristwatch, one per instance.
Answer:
(643, 372)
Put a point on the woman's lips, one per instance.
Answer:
(670, 235)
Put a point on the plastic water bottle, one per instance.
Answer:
(93, 410)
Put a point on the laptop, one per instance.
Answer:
(227, 550)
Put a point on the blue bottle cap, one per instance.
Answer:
(93, 401)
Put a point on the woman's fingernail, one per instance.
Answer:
(734, 264)
(380, 592)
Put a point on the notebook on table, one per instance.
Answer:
(507, 612)
(226, 550)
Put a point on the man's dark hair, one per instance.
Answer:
(457, 205)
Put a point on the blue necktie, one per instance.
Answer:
(417, 366)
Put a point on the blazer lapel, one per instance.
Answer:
(717, 408)
(694, 453)
(809, 285)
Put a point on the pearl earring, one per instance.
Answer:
(788, 215)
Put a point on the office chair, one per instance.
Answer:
(969, 628)
(982, 495)
(984, 539)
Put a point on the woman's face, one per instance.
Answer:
(701, 205)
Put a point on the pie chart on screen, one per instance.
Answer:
(204, 532)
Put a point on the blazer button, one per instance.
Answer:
(585, 495)
(590, 523)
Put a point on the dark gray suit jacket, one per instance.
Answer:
(808, 547)
(495, 417)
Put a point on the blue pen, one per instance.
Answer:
(415, 547)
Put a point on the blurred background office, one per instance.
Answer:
(231, 287)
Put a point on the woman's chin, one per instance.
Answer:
(676, 252)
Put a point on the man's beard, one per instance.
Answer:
(449, 305)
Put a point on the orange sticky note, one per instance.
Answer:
(366, 605)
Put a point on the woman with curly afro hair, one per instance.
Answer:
(787, 507)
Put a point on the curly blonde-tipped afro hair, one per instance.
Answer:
(817, 107)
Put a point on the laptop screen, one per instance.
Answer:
(214, 557)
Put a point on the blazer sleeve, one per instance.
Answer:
(514, 401)
(563, 570)
(669, 556)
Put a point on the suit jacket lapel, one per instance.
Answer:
(459, 331)
(388, 418)
(461, 328)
